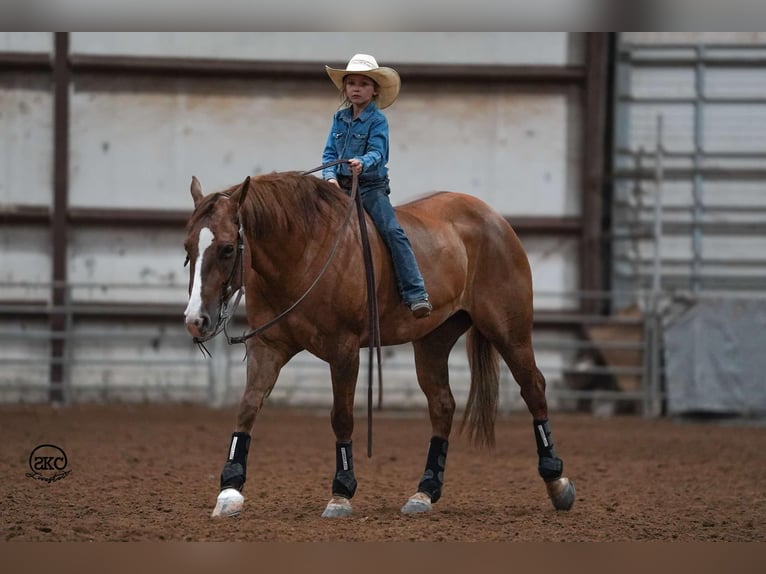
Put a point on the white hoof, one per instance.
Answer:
(229, 503)
(418, 502)
(337, 507)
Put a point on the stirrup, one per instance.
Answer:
(421, 308)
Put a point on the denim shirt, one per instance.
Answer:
(364, 138)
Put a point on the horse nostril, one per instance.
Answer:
(202, 321)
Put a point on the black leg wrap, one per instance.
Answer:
(433, 477)
(234, 472)
(549, 466)
(344, 483)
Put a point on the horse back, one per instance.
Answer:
(469, 218)
(463, 243)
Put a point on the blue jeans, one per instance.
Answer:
(377, 204)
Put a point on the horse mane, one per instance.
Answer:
(289, 202)
(279, 202)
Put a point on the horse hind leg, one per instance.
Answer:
(521, 361)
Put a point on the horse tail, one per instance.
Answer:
(481, 408)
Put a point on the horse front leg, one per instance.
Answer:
(344, 375)
(263, 366)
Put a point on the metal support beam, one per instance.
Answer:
(280, 70)
(59, 235)
(594, 131)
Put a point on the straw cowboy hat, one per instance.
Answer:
(365, 65)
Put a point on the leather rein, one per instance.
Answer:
(230, 300)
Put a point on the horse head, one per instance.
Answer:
(214, 251)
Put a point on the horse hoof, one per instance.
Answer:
(338, 507)
(418, 502)
(230, 502)
(561, 493)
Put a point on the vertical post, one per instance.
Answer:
(699, 118)
(59, 235)
(594, 122)
(655, 321)
(218, 372)
(658, 179)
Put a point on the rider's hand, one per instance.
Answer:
(334, 182)
(355, 166)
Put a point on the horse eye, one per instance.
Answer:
(227, 251)
(186, 262)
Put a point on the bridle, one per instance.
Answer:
(229, 299)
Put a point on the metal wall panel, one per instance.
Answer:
(555, 264)
(694, 37)
(139, 258)
(26, 145)
(518, 150)
(704, 91)
(26, 42)
(109, 367)
(25, 257)
(507, 48)
(136, 143)
(24, 375)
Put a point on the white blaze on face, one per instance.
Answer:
(195, 298)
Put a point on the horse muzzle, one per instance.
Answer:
(199, 325)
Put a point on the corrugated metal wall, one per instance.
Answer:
(708, 89)
(95, 194)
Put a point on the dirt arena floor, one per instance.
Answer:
(150, 473)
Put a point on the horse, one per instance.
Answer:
(273, 233)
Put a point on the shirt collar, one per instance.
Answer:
(370, 109)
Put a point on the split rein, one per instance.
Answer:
(228, 308)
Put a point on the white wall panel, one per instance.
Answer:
(694, 37)
(555, 264)
(25, 373)
(133, 146)
(151, 257)
(535, 48)
(138, 362)
(25, 257)
(26, 42)
(26, 145)
(519, 151)
(136, 147)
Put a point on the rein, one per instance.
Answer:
(283, 314)
(228, 308)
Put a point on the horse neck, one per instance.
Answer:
(292, 251)
(287, 264)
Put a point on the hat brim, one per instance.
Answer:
(388, 81)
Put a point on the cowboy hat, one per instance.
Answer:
(365, 65)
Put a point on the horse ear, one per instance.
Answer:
(239, 196)
(196, 191)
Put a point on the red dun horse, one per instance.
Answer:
(273, 234)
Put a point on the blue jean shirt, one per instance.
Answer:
(364, 138)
